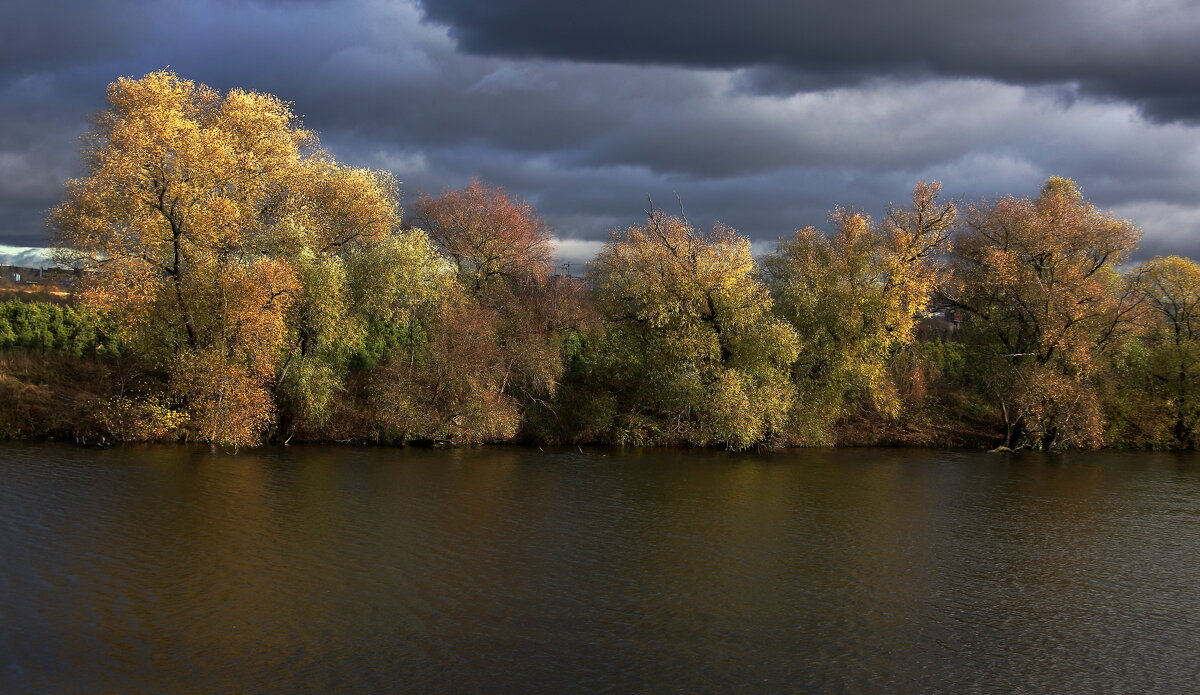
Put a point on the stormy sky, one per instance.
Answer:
(763, 114)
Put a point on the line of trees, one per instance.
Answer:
(242, 285)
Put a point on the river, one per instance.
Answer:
(315, 569)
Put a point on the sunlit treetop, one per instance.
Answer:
(212, 220)
(491, 237)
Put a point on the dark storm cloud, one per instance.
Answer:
(41, 118)
(1143, 51)
(40, 36)
(744, 131)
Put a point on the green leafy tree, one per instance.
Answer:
(854, 297)
(1169, 290)
(691, 351)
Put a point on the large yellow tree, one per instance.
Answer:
(201, 214)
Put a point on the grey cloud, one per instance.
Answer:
(765, 145)
(1145, 52)
(41, 36)
(1167, 228)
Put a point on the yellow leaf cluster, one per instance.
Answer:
(199, 215)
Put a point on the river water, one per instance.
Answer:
(514, 570)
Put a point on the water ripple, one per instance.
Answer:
(334, 570)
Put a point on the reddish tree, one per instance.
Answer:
(503, 253)
(491, 238)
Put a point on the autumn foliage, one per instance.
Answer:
(1039, 280)
(691, 352)
(491, 238)
(238, 285)
(854, 296)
